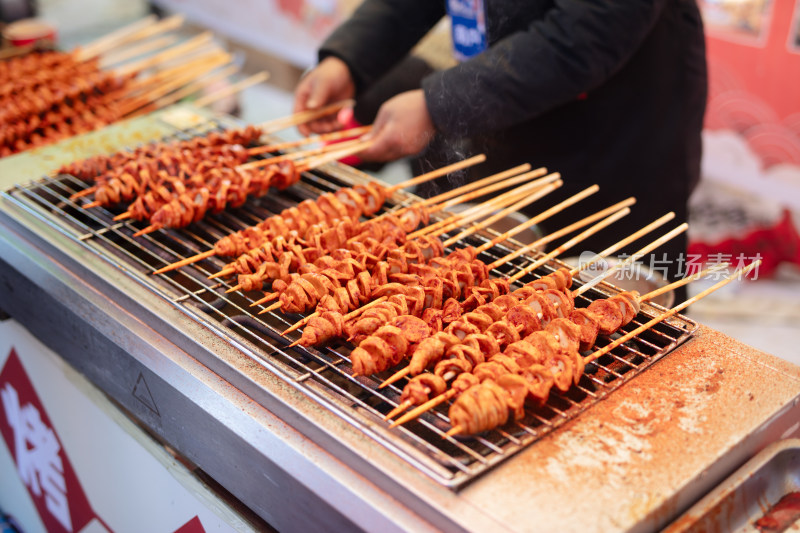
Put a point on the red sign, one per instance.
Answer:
(42, 463)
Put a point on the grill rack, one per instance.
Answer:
(325, 374)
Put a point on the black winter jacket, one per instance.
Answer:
(608, 92)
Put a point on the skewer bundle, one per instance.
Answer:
(488, 397)
(49, 96)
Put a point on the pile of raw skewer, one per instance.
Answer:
(48, 96)
(386, 283)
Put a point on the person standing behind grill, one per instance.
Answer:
(607, 92)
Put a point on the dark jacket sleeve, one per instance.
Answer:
(379, 34)
(575, 47)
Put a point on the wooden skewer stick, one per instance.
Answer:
(92, 205)
(624, 242)
(184, 262)
(457, 219)
(199, 67)
(674, 311)
(455, 430)
(325, 137)
(147, 83)
(427, 406)
(149, 229)
(622, 264)
(267, 298)
(540, 193)
(304, 116)
(573, 241)
(232, 89)
(352, 314)
(227, 271)
(468, 196)
(330, 157)
(681, 282)
(473, 213)
(296, 155)
(541, 216)
(138, 50)
(166, 55)
(190, 89)
(84, 192)
(162, 26)
(116, 37)
(481, 210)
(272, 307)
(566, 231)
(402, 406)
(397, 376)
(456, 195)
(433, 174)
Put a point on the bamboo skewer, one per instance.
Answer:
(540, 217)
(200, 66)
(166, 55)
(330, 157)
(304, 116)
(469, 215)
(325, 137)
(488, 207)
(647, 249)
(300, 154)
(115, 38)
(577, 239)
(681, 282)
(232, 89)
(197, 85)
(423, 408)
(162, 26)
(137, 50)
(458, 195)
(624, 242)
(528, 199)
(566, 231)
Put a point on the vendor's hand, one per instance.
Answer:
(403, 127)
(328, 82)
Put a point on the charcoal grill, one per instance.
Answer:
(321, 379)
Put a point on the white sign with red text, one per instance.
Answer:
(70, 462)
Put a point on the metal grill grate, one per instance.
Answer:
(325, 374)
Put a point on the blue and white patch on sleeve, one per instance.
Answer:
(468, 20)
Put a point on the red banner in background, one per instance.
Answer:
(751, 162)
(42, 463)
